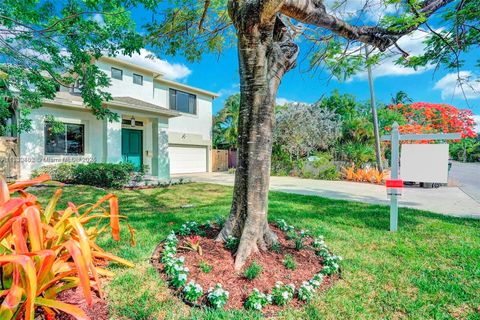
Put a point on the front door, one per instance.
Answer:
(132, 147)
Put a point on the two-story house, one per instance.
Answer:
(165, 125)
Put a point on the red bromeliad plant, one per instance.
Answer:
(423, 117)
(44, 251)
(192, 243)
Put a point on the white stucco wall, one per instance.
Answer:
(200, 123)
(32, 143)
(126, 87)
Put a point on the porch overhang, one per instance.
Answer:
(123, 103)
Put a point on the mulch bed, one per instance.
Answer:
(98, 310)
(223, 272)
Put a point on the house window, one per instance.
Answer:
(68, 141)
(183, 101)
(117, 73)
(138, 79)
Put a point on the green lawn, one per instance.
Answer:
(429, 269)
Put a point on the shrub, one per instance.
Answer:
(320, 166)
(291, 234)
(300, 238)
(257, 300)
(289, 262)
(232, 243)
(276, 247)
(306, 290)
(252, 271)
(64, 172)
(174, 266)
(219, 221)
(189, 227)
(217, 297)
(104, 175)
(107, 175)
(205, 267)
(331, 264)
(60, 252)
(282, 293)
(192, 291)
(316, 281)
(179, 278)
(283, 225)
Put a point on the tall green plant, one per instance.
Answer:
(225, 124)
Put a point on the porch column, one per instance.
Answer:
(113, 141)
(161, 160)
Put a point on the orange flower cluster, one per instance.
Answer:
(424, 117)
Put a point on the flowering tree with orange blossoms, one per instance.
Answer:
(424, 117)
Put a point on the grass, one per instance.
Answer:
(430, 268)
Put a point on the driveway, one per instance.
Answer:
(445, 200)
(467, 177)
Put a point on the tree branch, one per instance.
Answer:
(314, 12)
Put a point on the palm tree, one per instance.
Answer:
(401, 97)
(225, 124)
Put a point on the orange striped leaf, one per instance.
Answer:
(114, 218)
(34, 226)
(72, 310)
(30, 277)
(20, 185)
(74, 250)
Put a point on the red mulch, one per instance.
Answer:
(97, 311)
(273, 270)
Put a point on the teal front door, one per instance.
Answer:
(132, 149)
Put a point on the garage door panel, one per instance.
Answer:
(187, 159)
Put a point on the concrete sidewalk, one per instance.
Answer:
(444, 200)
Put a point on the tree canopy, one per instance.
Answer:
(47, 44)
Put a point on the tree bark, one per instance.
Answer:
(266, 52)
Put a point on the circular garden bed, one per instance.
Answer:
(201, 270)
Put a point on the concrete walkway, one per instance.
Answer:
(444, 200)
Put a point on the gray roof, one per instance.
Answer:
(75, 100)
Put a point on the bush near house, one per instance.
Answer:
(104, 175)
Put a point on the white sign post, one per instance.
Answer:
(414, 174)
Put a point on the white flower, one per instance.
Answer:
(182, 277)
(285, 295)
(257, 306)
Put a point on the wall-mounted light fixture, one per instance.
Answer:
(132, 121)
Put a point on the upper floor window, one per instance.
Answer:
(69, 141)
(117, 73)
(183, 101)
(138, 79)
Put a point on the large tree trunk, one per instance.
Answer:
(265, 53)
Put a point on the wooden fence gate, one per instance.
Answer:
(219, 160)
(9, 159)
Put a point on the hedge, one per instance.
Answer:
(104, 175)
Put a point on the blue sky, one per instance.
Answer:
(220, 74)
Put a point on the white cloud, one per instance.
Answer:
(146, 59)
(282, 101)
(234, 88)
(465, 84)
(476, 118)
(413, 44)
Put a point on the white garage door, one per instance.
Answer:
(187, 159)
